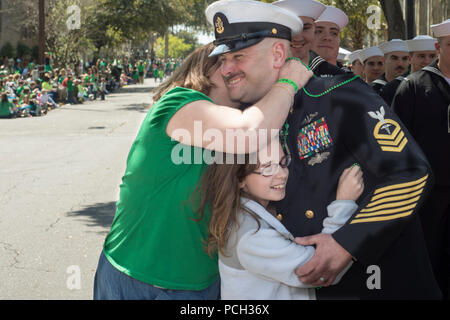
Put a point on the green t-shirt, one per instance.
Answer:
(19, 90)
(5, 108)
(153, 237)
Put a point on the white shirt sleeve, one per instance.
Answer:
(270, 255)
(339, 211)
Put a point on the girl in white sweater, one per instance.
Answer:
(257, 254)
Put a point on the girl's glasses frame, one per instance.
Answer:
(273, 168)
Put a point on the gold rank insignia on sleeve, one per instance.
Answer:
(388, 132)
(392, 202)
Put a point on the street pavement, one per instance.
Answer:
(59, 181)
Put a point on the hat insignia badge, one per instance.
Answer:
(219, 26)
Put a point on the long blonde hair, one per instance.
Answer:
(193, 73)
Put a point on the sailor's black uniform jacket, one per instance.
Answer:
(325, 135)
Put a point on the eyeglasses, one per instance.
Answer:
(272, 168)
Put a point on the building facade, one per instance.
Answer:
(10, 26)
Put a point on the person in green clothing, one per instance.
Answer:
(161, 74)
(135, 76)
(20, 88)
(140, 69)
(155, 72)
(70, 92)
(6, 107)
(154, 249)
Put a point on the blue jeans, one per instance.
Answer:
(112, 284)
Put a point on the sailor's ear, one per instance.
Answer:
(279, 50)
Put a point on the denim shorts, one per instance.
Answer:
(112, 284)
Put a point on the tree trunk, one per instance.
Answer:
(394, 17)
(422, 17)
(166, 45)
(41, 32)
(447, 6)
(436, 12)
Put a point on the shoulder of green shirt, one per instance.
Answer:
(190, 93)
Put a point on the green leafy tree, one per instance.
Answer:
(138, 20)
(177, 47)
(189, 37)
(65, 38)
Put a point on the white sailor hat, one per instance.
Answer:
(442, 29)
(305, 8)
(421, 43)
(370, 52)
(239, 24)
(394, 45)
(335, 15)
(351, 57)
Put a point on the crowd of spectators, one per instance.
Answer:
(27, 91)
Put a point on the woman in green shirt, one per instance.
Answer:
(154, 249)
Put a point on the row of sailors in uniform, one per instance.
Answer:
(377, 65)
(382, 64)
(390, 62)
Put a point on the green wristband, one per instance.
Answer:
(289, 81)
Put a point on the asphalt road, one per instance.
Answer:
(59, 181)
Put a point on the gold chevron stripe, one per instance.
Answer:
(396, 149)
(392, 143)
(395, 216)
(392, 205)
(391, 136)
(401, 185)
(385, 212)
(397, 198)
(398, 191)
